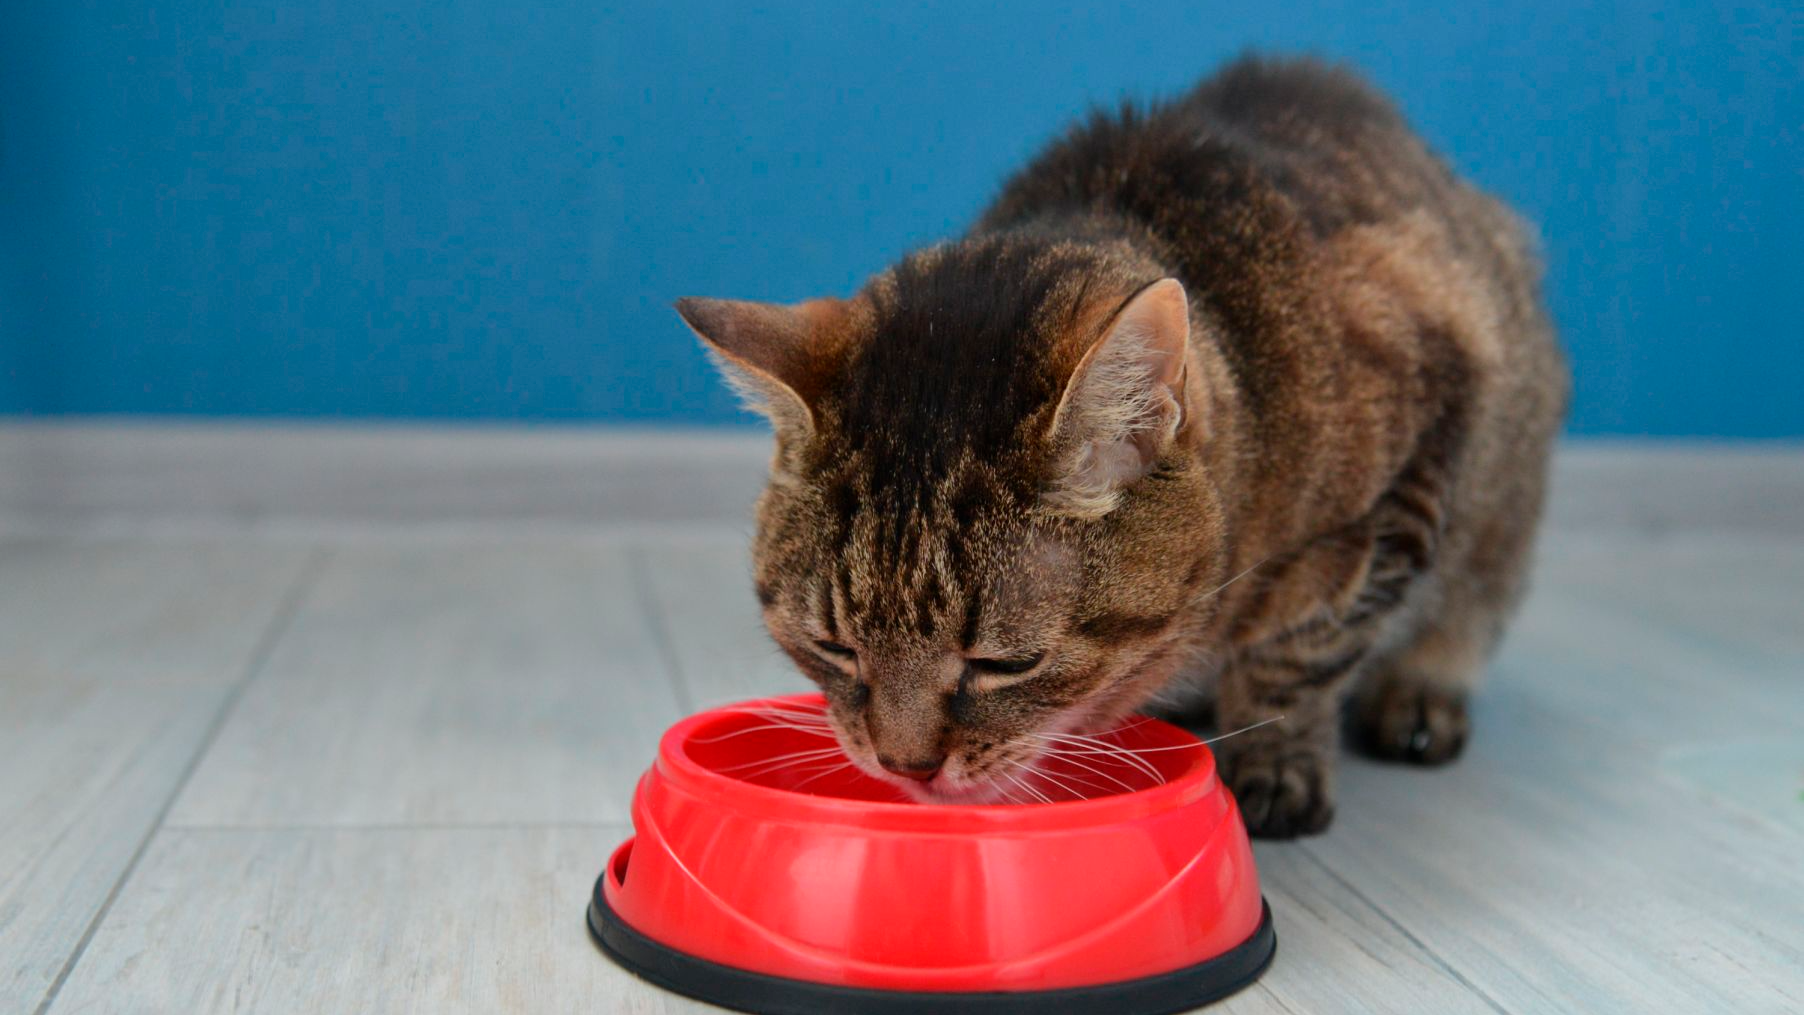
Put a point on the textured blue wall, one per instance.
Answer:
(464, 208)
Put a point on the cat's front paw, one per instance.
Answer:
(1283, 791)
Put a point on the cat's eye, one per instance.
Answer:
(1007, 667)
(835, 649)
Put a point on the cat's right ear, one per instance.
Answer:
(1124, 404)
(777, 357)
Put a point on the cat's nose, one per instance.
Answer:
(919, 771)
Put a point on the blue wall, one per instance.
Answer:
(469, 208)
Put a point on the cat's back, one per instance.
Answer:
(1344, 264)
(1278, 151)
(1270, 182)
(1336, 149)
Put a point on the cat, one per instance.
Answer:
(1241, 399)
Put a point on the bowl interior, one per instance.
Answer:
(786, 744)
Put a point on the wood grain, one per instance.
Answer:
(482, 920)
(703, 589)
(115, 661)
(406, 805)
(1339, 953)
(1567, 863)
(259, 475)
(1736, 592)
(467, 684)
(437, 922)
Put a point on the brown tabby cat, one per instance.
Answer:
(1259, 333)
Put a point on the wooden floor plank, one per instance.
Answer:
(1572, 902)
(461, 684)
(359, 920)
(1739, 592)
(1561, 866)
(703, 589)
(1622, 836)
(115, 661)
(1598, 657)
(285, 920)
(1337, 953)
(399, 475)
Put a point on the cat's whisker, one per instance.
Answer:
(1217, 590)
(819, 765)
(1089, 784)
(796, 713)
(823, 773)
(772, 764)
(1137, 751)
(1025, 788)
(1104, 748)
(1016, 781)
(1136, 724)
(1071, 759)
(1243, 729)
(793, 721)
(788, 706)
(1064, 787)
(1071, 749)
(760, 773)
(808, 730)
(811, 717)
(1113, 749)
(771, 723)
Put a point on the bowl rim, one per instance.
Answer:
(675, 764)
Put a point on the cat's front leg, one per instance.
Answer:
(1307, 637)
(1282, 773)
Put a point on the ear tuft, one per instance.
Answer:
(766, 351)
(1123, 405)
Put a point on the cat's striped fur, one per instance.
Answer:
(1018, 474)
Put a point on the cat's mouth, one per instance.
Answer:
(944, 793)
(1007, 781)
(1009, 776)
(951, 788)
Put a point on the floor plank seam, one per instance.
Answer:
(284, 615)
(1273, 996)
(658, 625)
(1304, 850)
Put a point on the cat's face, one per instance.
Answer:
(982, 527)
(958, 638)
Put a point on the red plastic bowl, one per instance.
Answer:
(768, 879)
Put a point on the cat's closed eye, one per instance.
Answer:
(983, 675)
(835, 650)
(1009, 667)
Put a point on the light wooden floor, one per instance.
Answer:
(375, 768)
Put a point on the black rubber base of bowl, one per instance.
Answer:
(743, 990)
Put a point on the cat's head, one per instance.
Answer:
(984, 518)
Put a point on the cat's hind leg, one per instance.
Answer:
(1411, 706)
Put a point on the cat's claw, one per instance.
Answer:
(1282, 796)
(1421, 725)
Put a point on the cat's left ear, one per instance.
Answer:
(1123, 405)
(779, 357)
